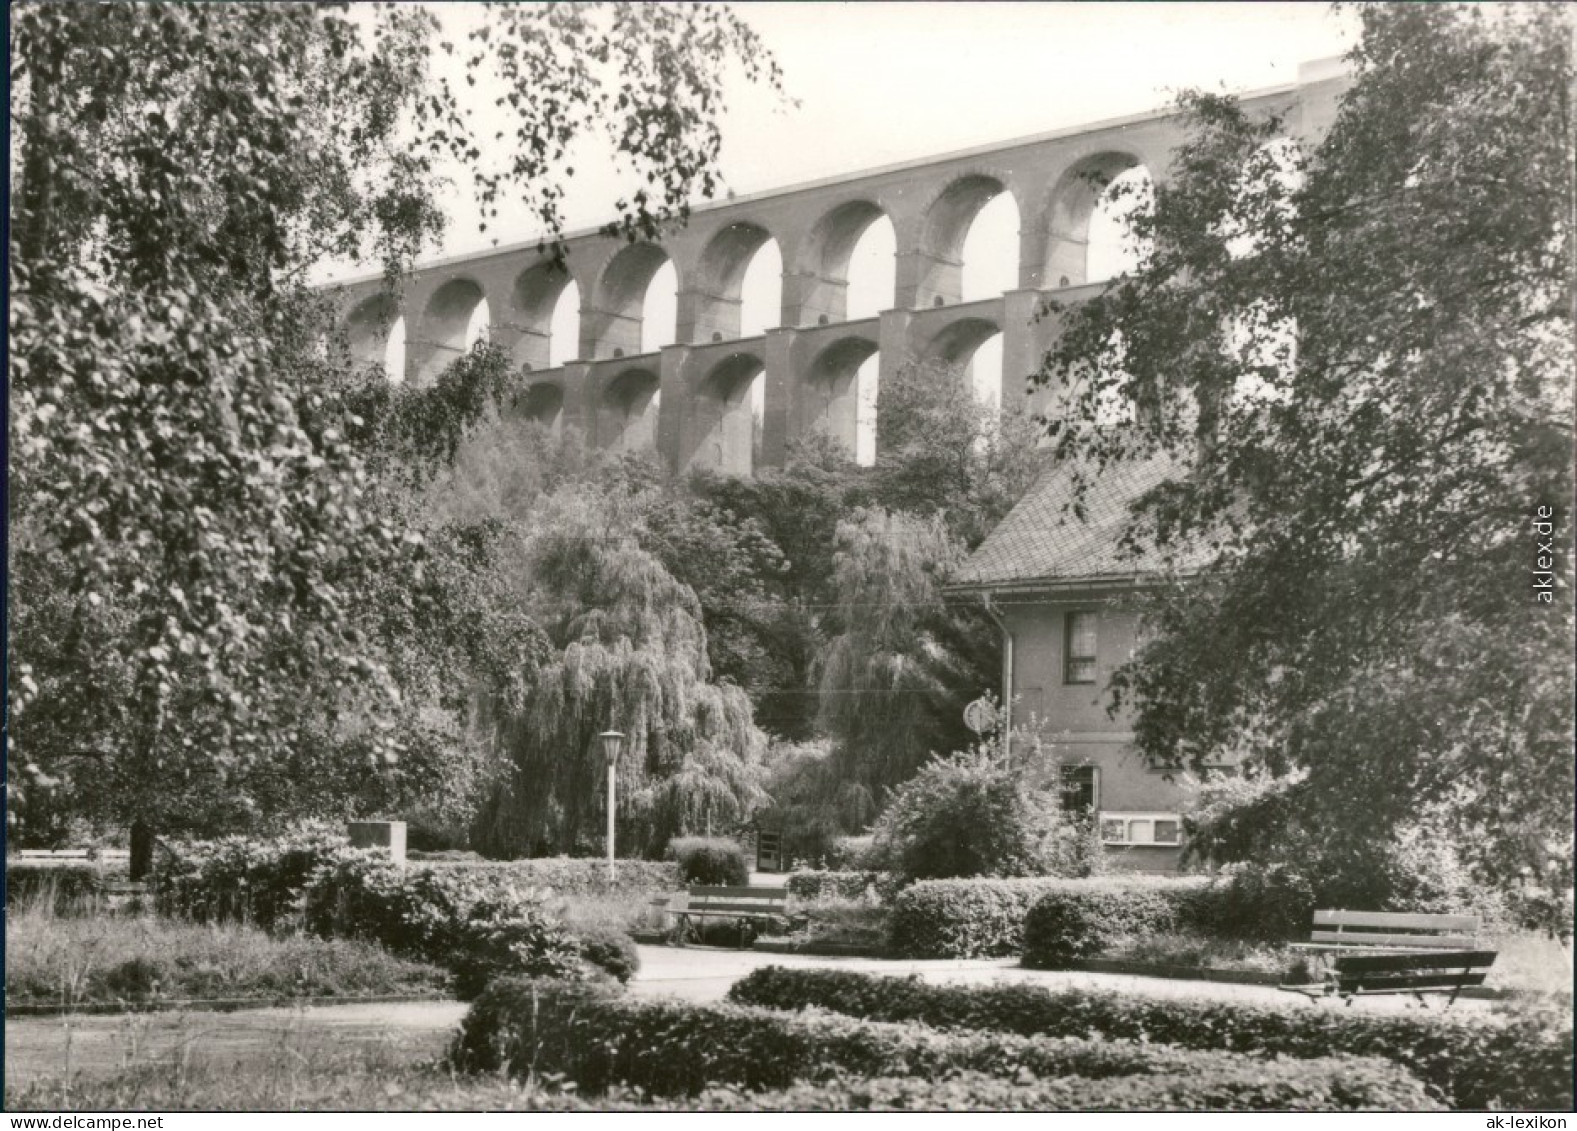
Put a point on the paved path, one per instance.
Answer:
(47, 1047)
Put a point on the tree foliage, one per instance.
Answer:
(1360, 357)
(900, 662)
(194, 515)
(628, 653)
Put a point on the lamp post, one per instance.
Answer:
(612, 740)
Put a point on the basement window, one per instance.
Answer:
(1163, 829)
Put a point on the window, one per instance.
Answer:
(1078, 789)
(1162, 829)
(1078, 662)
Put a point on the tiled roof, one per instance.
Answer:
(1041, 540)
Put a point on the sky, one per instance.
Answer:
(869, 84)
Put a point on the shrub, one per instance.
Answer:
(609, 950)
(711, 861)
(1471, 1061)
(1340, 1085)
(1074, 921)
(570, 875)
(850, 853)
(985, 918)
(241, 879)
(479, 922)
(598, 1040)
(817, 883)
(973, 814)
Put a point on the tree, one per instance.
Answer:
(629, 652)
(900, 661)
(941, 451)
(184, 486)
(1360, 360)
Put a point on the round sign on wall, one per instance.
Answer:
(980, 716)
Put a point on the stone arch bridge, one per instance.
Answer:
(702, 416)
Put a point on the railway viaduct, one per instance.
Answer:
(691, 400)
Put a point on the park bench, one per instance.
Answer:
(1378, 952)
(748, 907)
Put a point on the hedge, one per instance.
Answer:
(984, 918)
(710, 861)
(1068, 923)
(1470, 1061)
(820, 883)
(598, 1040)
(573, 875)
(1281, 1085)
(478, 922)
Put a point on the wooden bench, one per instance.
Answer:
(1378, 952)
(747, 907)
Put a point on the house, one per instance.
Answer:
(1063, 596)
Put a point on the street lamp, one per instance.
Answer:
(612, 740)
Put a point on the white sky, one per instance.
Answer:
(877, 83)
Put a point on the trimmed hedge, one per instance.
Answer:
(819, 883)
(710, 861)
(599, 1040)
(1069, 923)
(1280, 1085)
(984, 918)
(573, 875)
(1471, 1062)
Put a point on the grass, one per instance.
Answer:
(60, 959)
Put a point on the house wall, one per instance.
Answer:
(1072, 719)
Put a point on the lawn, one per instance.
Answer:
(60, 959)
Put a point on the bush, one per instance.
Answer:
(571, 875)
(1074, 921)
(710, 861)
(972, 814)
(1472, 1062)
(241, 879)
(985, 918)
(480, 922)
(1340, 1085)
(817, 883)
(598, 1040)
(609, 950)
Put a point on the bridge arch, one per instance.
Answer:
(537, 302)
(455, 318)
(973, 347)
(847, 241)
(1090, 194)
(721, 308)
(946, 227)
(545, 404)
(615, 324)
(840, 395)
(722, 426)
(627, 414)
(369, 328)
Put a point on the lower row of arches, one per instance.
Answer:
(724, 427)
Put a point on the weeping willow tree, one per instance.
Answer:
(628, 653)
(901, 663)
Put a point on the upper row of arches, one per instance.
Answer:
(848, 269)
(968, 244)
